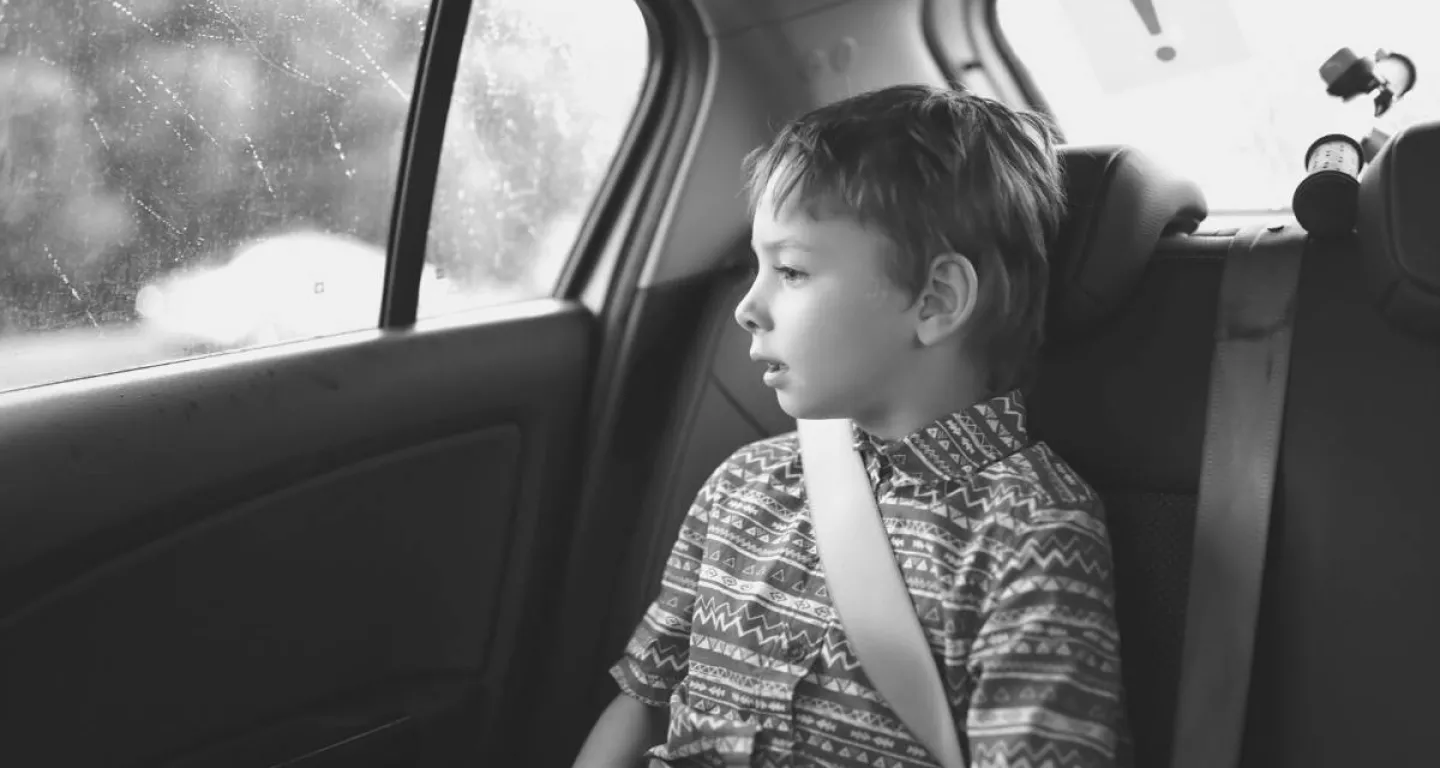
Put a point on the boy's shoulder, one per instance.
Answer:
(1030, 482)
(769, 466)
(1037, 467)
(1033, 472)
(770, 459)
(1036, 486)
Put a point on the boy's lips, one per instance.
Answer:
(774, 369)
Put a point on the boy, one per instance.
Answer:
(901, 239)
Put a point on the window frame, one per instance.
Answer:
(423, 146)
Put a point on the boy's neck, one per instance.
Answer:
(922, 398)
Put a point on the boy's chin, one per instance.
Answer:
(793, 406)
(801, 408)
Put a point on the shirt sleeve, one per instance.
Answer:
(1046, 662)
(657, 656)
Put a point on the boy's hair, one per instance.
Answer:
(937, 171)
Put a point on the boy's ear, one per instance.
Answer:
(948, 298)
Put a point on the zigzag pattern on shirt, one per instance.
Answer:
(979, 435)
(1005, 486)
(792, 606)
(879, 724)
(749, 501)
(1004, 551)
(1076, 616)
(850, 747)
(882, 745)
(786, 569)
(734, 680)
(839, 656)
(777, 457)
(1071, 519)
(1001, 502)
(659, 658)
(743, 622)
(681, 573)
(1053, 585)
(1064, 551)
(756, 535)
(658, 623)
(1017, 711)
(1016, 754)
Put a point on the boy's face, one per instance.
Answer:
(835, 329)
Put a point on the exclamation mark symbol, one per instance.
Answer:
(1146, 9)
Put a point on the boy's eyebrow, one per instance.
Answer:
(777, 246)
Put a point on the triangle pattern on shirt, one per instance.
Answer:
(760, 599)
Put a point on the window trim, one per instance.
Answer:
(419, 169)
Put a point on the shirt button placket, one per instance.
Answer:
(795, 652)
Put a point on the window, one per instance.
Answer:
(545, 92)
(1236, 99)
(180, 177)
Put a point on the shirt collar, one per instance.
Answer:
(954, 446)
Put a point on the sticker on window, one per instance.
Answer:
(1134, 43)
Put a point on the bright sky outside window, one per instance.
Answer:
(1237, 97)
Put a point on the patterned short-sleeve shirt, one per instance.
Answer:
(1007, 559)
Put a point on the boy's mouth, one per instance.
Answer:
(774, 373)
(773, 368)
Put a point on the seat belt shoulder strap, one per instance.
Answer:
(1248, 378)
(868, 590)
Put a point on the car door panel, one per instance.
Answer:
(325, 556)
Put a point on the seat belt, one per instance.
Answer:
(868, 589)
(1248, 377)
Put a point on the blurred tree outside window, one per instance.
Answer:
(179, 177)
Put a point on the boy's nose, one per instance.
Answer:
(749, 314)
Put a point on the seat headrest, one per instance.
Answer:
(1398, 224)
(1119, 204)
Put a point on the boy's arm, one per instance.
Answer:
(657, 656)
(1046, 665)
(623, 733)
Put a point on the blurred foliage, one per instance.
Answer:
(138, 136)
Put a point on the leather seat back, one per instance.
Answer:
(1352, 596)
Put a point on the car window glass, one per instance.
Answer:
(1227, 92)
(545, 92)
(181, 177)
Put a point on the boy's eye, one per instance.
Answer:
(789, 274)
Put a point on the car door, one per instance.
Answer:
(241, 521)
